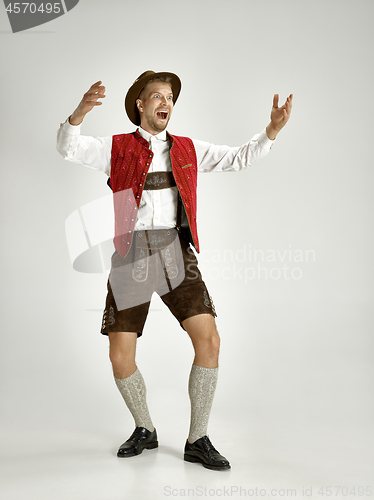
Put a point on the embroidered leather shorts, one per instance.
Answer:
(160, 261)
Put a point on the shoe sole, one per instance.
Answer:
(138, 451)
(190, 458)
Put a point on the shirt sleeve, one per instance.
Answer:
(92, 152)
(212, 158)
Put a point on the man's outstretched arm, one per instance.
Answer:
(92, 152)
(214, 158)
(279, 116)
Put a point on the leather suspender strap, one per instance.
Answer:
(179, 212)
(159, 180)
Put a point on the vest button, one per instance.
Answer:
(140, 184)
(138, 196)
(147, 163)
(143, 173)
(150, 156)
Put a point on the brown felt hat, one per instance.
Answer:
(139, 84)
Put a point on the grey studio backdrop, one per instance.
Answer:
(287, 250)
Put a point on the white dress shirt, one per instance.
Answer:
(158, 207)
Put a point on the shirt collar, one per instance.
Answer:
(147, 136)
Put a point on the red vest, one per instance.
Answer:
(131, 158)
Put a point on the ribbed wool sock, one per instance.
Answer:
(133, 392)
(201, 389)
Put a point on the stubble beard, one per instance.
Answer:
(154, 123)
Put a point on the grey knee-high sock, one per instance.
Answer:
(201, 389)
(133, 392)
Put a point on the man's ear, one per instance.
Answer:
(139, 105)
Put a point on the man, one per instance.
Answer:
(153, 176)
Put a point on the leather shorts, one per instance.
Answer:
(161, 261)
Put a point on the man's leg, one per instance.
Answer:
(205, 339)
(131, 385)
(202, 385)
(203, 377)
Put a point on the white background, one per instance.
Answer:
(294, 402)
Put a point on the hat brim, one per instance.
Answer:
(135, 89)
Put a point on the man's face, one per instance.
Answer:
(155, 107)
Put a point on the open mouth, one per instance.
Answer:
(162, 114)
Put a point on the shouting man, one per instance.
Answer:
(153, 175)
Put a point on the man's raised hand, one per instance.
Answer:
(88, 102)
(278, 116)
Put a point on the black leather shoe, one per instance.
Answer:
(203, 451)
(141, 438)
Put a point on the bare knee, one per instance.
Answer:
(205, 339)
(210, 344)
(119, 358)
(122, 354)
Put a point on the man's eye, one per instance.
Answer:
(170, 98)
(156, 95)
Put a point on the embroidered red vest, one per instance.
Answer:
(130, 161)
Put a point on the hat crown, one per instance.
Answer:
(146, 73)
